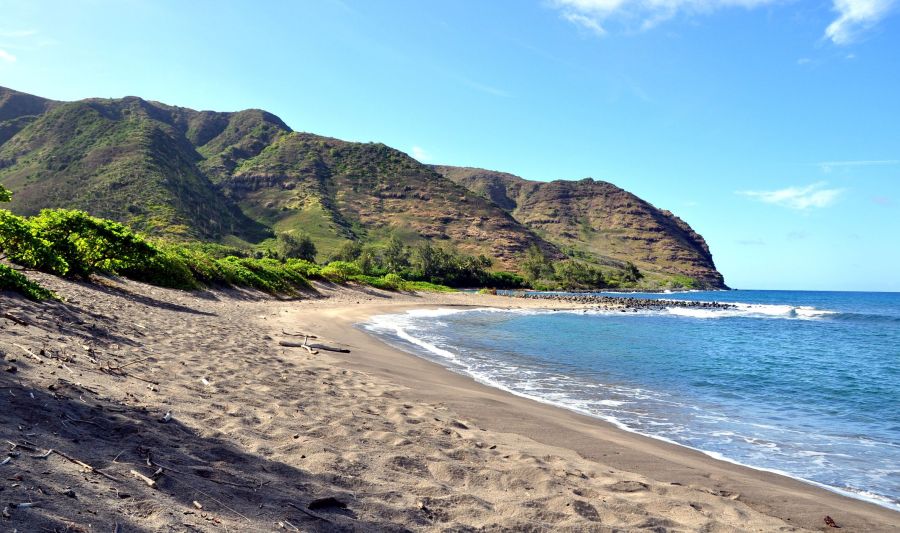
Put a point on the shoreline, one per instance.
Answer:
(190, 411)
(877, 501)
(798, 501)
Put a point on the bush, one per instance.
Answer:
(22, 244)
(296, 246)
(89, 244)
(10, 280)
(304, 268)
(340, 271)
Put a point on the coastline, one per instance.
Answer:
(195, 392)
(798, 502)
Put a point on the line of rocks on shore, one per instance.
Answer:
(622, 303)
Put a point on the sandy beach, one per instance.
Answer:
(173, 411)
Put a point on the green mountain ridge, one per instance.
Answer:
(240, 177)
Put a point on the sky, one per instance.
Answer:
(772, 127)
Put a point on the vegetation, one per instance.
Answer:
(74, 244)
(246, 180)
(300, 246)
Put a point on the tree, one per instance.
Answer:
(5, 195)
(396, 255)
(348, 252)
(369, 262)
(631, 273)
(573, 274)
(296, 246)
(535, 265)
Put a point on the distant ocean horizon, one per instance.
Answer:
(802, 383)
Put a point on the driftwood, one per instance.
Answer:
(150, 483)
(15, 319)
(308, 347)
(303, 345)
(84, 465)
(29, 352)
(329, 348)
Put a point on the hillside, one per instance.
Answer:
(597, 220)
(241, 177)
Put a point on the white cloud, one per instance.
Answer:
(815, 195)
(855, 17)
(585, 22)
(6, 56)
(420, 154)
(828, 166)
(593, 14)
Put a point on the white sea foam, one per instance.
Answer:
(753, 311)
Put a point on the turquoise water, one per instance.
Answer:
(802, 383)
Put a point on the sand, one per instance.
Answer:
(261, 437)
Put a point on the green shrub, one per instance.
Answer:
(21, 243)
(88, 244)
(340, 271)
(392, 281)
(10, 280)
(305, 268)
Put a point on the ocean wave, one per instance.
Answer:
(754, 311)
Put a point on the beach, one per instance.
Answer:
(181, 411)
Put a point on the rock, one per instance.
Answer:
(586, 510)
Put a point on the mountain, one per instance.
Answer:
(241, 177)
(126, 159)
(597, 220)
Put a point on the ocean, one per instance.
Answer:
(806, 384)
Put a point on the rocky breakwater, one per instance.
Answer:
(621, 303)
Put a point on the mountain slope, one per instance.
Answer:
(338, 190)
(241, 177)
(125, 159)
(598, 220)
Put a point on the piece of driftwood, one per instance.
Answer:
(84, 465)
(29, 352)
(329, 348)
(305, 346)
(15, 319)
(150, 483)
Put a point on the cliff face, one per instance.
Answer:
(599, 220)
(246, 175)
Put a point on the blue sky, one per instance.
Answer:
(772, 127)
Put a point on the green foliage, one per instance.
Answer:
(10, 280)
(631, 274)
(446, 267)
(396, 255)
(425, 286)
(5, 195)
(89, 244)
(22, 243)
(574, 275)
(392, 281)
(300, 246)
(683, 282)
(340, 271)
(348, 252)
(304, 268)
(535, 265)
(504, 280)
